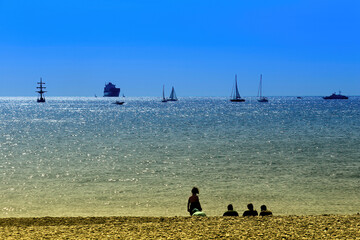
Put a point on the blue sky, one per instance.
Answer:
(302, 47)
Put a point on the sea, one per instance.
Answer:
(78, 156)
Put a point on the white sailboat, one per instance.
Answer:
(172, 95)
(235, 95)
(261, 97)
(164, 99)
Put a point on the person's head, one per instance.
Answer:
(263, 208)
(250, 206)
(230, 207)
(195, 191)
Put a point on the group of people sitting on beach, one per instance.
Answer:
(194, 207)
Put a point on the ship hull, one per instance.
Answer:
(263, 100)
(335, 97)
(237, 100)
(113, 93)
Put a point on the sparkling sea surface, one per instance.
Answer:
(88, 157)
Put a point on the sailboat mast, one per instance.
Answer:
(236, 88)
(260, 85)
(41, 91)
(237, 94)
(163, 92)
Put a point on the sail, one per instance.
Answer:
(172, 95)
(260, 87)
(235, 94)
(163, 96)
(261, 97)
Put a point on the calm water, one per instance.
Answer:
(88, 157)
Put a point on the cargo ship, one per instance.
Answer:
(111, 91)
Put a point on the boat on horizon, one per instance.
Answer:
(235, 95)
(172, 96)
(163, 98)
(119, 102)
(110, 90)
(336, 96)
(261, 97)
(41, 98)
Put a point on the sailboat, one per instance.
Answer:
(235, 95)
(164, 99)
(41, 98)
(261, 97)
(172, 95)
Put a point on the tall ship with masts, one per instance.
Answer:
(235, 95)
(41, 91)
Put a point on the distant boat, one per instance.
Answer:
(336, 96)
(41, 98)
(261, 97)
(164, 99)
(235, 95)
(299, 97)
(119, 102)
(95, 95)
(172, 95)
(111, 91)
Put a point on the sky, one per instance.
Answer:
(301, 47)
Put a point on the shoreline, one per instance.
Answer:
(269, 227)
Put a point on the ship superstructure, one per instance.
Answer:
(110, 90)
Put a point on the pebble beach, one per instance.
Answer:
(270, 227)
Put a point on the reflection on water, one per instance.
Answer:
(88, 157)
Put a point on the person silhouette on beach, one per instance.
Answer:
(250, 211)
(264, 211)
(193, 201)
(230, 211)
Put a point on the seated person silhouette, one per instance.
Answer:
(197, 212)
(230, 211)
(264, 211)
(250, 211)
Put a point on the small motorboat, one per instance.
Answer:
(119, 102)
